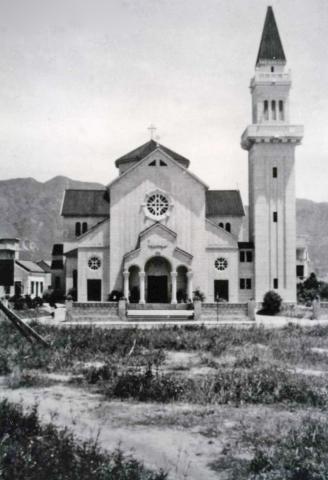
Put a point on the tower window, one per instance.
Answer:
(281, 110)
(221, 225)
(249, 256)
(275, 283)
(272, 69)
(275, 172)
(84, 227)
(273, 108)
(245, 256)
(275, 217)
(228, 227)
(152, 164)
(245, 283)
(266, 110)
(162, 163)
(78, 229)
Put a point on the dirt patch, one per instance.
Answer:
(183, 439)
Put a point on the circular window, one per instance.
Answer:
(221, 263)
(94, 263)
(157, 204)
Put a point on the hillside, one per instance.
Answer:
(312, 223)
(30, 210)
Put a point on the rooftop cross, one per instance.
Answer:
(152, 130)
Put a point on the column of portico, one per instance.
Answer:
(126, 275)
(174, 287)
(142, 287)
(189, 284)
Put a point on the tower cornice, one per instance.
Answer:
(267, 133)
(271, 78)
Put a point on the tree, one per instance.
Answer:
(271, 303)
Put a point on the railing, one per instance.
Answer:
(272, 76)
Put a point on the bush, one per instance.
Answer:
(29, 450)
(115, 296)
(302, 454)
(271, 303)
(147, 386)
(198, 295)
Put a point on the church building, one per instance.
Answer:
(157, 232)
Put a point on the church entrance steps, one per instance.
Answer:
(159, 306)
(153, 315)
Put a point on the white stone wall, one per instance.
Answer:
(235, 222)
(187, 216)
(85, 273)
(274, 242)
(230, 273)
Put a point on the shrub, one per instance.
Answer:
(271, 303)
(301, 454)
(198, 295)
(147, 386)
(29, 450)
(115, 296)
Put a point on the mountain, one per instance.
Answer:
(312, 224)
(30, 210)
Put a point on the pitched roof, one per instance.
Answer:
(141, 152)
(45, 266)
(29, 266)
(224, 203)
(84, 203)
(271, 49)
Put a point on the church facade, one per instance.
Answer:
(157, 232)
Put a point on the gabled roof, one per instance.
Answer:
(165, 153)
(157, 225)
(224, 203)
(29, 266)
(141, 152)
(84, 203)
(271, 49)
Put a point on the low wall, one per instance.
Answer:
(92, 311)
(222, 311)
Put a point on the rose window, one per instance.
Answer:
(94, 263)
(221, 263)
(157, 204)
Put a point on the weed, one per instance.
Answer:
(301, 454)
(31, 450)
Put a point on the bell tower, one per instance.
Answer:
(270, 141)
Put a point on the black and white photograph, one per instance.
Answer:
(163, 240)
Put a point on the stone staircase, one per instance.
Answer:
(152, 312)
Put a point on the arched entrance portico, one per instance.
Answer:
(158, 284)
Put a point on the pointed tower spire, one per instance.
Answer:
(271, 49)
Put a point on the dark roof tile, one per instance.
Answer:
(224, 203)
(141, 152)
(84, 203)
(271, 49)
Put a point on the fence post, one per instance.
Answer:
(251, 309)
(122, 309)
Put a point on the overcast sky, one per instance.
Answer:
(80, 82)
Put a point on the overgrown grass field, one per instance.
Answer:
(284, 369)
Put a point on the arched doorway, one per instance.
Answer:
(158, 280)
(182, 284)
(134, 284)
